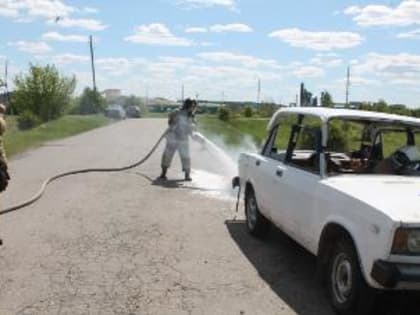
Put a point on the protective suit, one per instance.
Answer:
(4, 175)
(181, 127)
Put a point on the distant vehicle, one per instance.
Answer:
(133, 112)
(345, 185)
(115, 111)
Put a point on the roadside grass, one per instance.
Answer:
(17, 141)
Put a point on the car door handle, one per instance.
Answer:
(279, 173)
(258, 162)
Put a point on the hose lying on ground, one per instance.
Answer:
(87, 170)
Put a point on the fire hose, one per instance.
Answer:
(48, 181)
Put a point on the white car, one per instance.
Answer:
(345, 184)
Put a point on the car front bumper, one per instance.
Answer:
(391, 275)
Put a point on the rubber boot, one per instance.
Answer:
(163, 174)
(188, 177)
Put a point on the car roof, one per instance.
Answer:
(326, 114)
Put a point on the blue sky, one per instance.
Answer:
(217, 47)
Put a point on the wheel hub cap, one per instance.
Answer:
(342, 278)
(251, 213)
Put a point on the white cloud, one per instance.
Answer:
(309, 72)
(55, 36)
(35, 8)
(8, 12)
(156, 34)
(88, 24)
(406, 13)
(326, 60)
(235, 27)
(415, 34)
(245, 60)
(66, 59)
(195, 30)
(208, 3)
(31, 47)
(90, 10)
(27, 11)
(323, 41)
(400, 68)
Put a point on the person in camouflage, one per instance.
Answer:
(181, 127)
(4, 175)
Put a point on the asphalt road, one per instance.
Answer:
(123, 243)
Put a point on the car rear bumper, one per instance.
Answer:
(391, 275)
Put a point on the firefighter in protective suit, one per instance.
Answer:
(181, 127)
(4, 175)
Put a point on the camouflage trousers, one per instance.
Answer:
(182, 146)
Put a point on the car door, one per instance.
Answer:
(270, 168)
(296, 183)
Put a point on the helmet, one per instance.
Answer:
(188, 104)
(405, 158)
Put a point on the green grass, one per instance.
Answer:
(17, 141)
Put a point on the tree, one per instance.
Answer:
(224, 114)
(43, 92)
(91, 102)
(381, 106)
(248, 112)
(326, 99)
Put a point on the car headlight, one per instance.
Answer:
(406, 242)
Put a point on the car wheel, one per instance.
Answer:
(348, 291)
(256, 223)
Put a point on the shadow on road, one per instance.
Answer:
(290, 272)
(285, 266)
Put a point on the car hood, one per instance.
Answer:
(396, 196)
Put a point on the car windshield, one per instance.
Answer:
(373, 147)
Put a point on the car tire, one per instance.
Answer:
(256, 223)
(347, 289)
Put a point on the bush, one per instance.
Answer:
(90, 102)
(43, 91)
(248, 112)
(27, 120)
(224, 114)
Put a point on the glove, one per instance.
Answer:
(4, 176)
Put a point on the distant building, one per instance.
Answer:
(112, 94)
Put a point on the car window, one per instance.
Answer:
(303, 150)
(392, 141)
(277, 143)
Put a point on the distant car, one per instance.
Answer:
(133, 112)
(345, 185)
(115, 111)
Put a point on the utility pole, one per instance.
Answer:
(147, 95)
(259, 91)
(182, 93)
(92, 60)
(347, 86)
